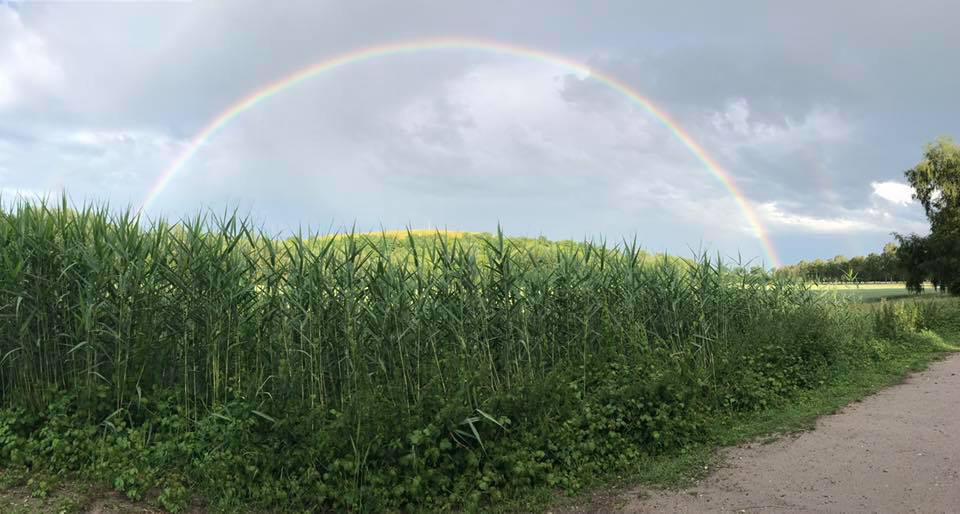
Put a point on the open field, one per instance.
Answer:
(205, 363)
(874, 292)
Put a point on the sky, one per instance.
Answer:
(813, 110)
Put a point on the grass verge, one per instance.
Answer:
(849, 384)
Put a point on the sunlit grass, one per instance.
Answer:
(845, 286)
(402, 234)
(873, 292)
(213, 309)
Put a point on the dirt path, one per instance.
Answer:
(896, 451)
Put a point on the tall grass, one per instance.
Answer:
(378, 372)
(214, 309)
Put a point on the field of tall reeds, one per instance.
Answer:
(393, 372)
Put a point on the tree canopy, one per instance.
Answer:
(936, 183)
(882, 267)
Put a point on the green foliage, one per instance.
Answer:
(882, 267)
(913, 254)
(936, 181)
(381, 374)
(897, 320)
(894, 320)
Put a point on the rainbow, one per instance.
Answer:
(458, 43)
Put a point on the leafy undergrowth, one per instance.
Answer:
(618, 431)
(28, 492)
(849, 382)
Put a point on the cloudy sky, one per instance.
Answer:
(814, 109)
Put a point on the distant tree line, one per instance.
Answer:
(882, 267)
(914, 259)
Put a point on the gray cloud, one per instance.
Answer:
(805, 106)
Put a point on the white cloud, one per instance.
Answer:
(737, 128)
(87, 163)
(775, 215)
(509, 118)
(25, 63)
(839, 220)
(97, 138)
(894, 192)
(11, 196)
(110, 139)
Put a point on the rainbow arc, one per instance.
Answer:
(460, 43)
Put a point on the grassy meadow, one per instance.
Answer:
(205, 361)
(875, 291)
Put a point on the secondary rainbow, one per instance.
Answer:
(460, 43)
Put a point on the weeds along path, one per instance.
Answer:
(896, 451)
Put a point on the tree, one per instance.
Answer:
(888, 264)
(872, 268)
(936, 183)
(912, 255)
